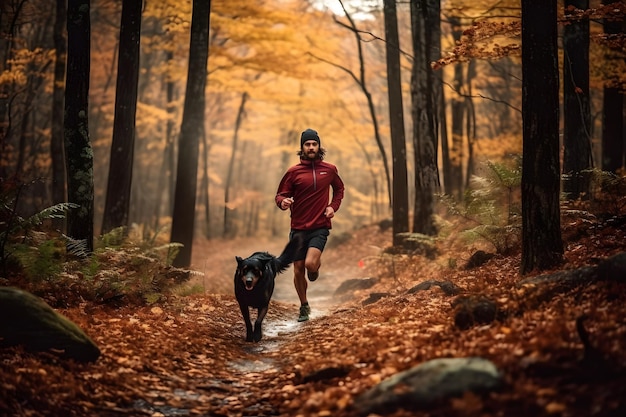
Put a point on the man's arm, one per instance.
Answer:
(338, 190)
(283, 192)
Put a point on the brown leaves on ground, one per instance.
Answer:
(187, 356)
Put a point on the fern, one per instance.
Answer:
(77, 247)
(16, 229)
(492, 205)
(114, 239)
(40, 262)
(608, 192)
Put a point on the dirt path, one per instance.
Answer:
(259, 363)
(216, 260)
(186, 357)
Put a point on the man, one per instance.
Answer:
(305, 189)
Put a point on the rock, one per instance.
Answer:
(541, 288)
(28, 321)
(428, 384)
(375, 296)
(327, 374)
(419, 244)
(478, 258)
(351, 285)
(385, 224)
(473, 309)
(448, 287)
(613, 268)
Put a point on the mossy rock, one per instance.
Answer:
(28, 321)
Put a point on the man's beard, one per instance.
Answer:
(311, 156)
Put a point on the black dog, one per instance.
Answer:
(254, 284)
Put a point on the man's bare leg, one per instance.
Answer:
(299, 281)
(313, 262)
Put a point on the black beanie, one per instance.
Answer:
(309, 134)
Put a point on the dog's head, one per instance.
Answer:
(249, 271)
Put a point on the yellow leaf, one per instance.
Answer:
(554, 407)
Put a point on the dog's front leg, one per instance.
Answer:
(245, 312)
(258, 333)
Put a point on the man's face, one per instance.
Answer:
(310, 149)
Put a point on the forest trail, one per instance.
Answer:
(256, 361)
(216, 261)
(187, 355)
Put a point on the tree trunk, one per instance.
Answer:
(166, 174)
(370, 101)
(612, 110)
(400, 206)
(78, 151)
(470, 122)
(542, 246)
(454, 177)
(229, 231)
(206, 202)
(192, 130)
(424, 135)
(56, 141)
(576, 110)
(117, 203)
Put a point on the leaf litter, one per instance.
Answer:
(187, 355)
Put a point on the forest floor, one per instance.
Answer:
(187, 355)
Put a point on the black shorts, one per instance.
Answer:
(312, 239)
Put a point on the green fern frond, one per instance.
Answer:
(115, 238)
(56, 211)
(76, 247)
(39, 262)
(509, 177)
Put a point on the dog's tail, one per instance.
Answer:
(289, 253)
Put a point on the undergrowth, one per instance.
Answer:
(491, 207)
(128, 265)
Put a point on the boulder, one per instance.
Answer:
(29, 321)
(427, 384)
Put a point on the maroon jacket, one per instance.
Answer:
(309, 183)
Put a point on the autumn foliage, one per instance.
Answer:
(187, 354)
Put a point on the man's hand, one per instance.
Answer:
(286, 203)
(329, 212)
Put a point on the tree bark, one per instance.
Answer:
(612, 111)
(117, 203)
(229, 232)
(423, 106)
(576, 107)
(79, 154)
(192, 129)
(400, 206)
(58, 91)
(542, 246)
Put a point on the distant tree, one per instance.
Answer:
(78, 151)
(440, 124)
(58, 91)
(191, 131)
(453, 171)
(613, 149)
(423, 106)
(165, 180)
(400, 206)
(117, 202)
(542, 246)
(229, 230)
(361, 81)
(576, 105)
